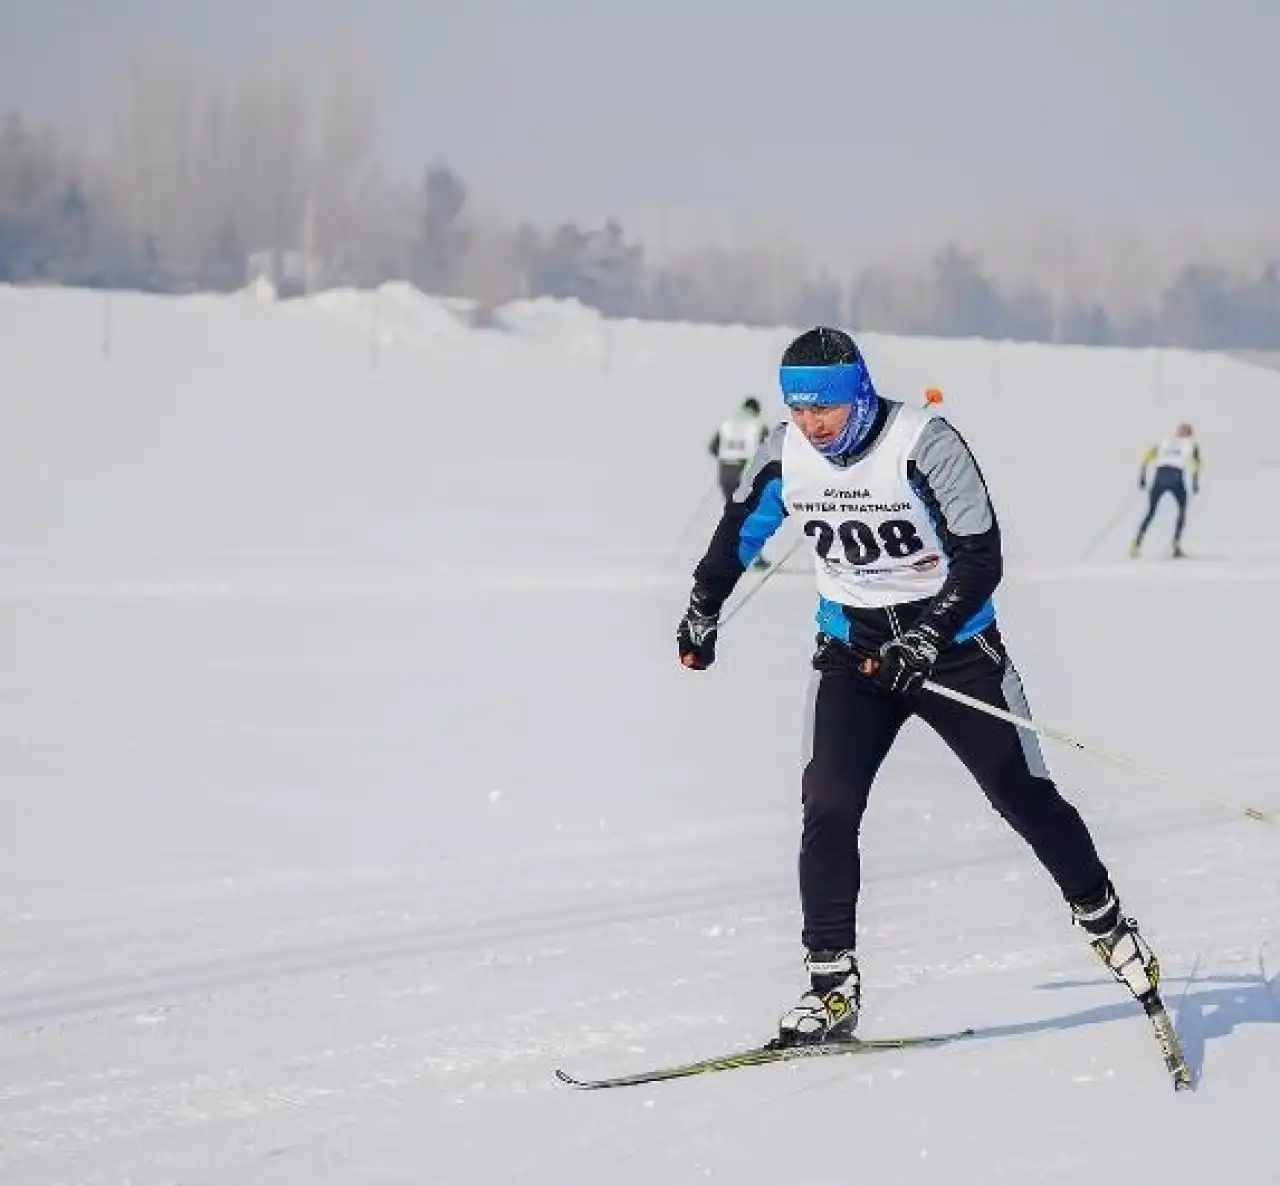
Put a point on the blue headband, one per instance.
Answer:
(841, 383)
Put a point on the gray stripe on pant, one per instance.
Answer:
(810, 716)
(1016, 698)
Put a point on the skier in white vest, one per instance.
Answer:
(907, 555)
(735, 444)
(1172, 467)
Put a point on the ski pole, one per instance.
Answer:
(697, 513)
(750, 593)
(1000, 714)
(1110, 527)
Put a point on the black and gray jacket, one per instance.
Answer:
(944, 475)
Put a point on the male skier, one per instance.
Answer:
(907, 555)
(1169, 468)
(735, 444)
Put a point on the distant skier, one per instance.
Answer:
(735, 444)
(907, 555)
(1169, 468)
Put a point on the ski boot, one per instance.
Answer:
(828, 1012)
(1178, 553)
(1135, 550)
(1116, 942)
(1129, 958)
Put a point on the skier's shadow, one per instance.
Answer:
(1208, 1007)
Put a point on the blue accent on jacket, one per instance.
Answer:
(833, 621)
(758, 526)
(978, 623)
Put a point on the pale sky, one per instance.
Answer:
(823, 115)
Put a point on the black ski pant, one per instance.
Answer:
(852, 725)
(1166, 481)
(730, 475)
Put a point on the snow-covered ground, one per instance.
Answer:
(350, 784)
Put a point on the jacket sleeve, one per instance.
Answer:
(751, 516)
(1144, 470)
(945, 474)
(714, 447)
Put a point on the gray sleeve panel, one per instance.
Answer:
(770, 450)
(944, 461)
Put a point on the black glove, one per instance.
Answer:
(906, 662)
(696, 635)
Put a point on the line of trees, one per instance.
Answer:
(199, 185)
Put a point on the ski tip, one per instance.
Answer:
(581, 1084)
(955, 1036)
